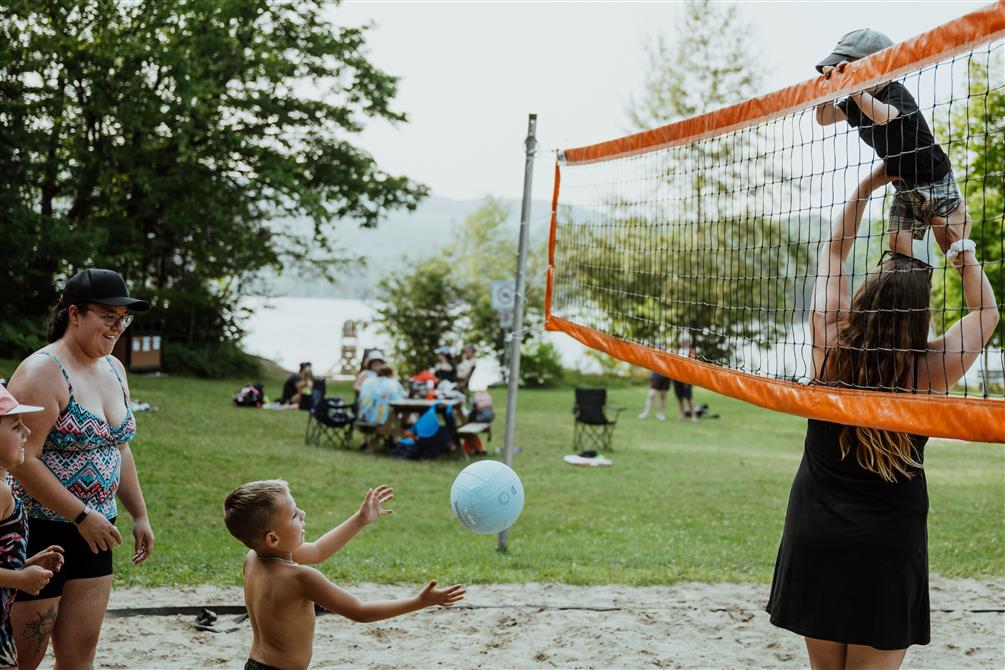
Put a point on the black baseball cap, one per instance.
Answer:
(104, 287)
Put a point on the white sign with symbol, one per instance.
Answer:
(503, 294)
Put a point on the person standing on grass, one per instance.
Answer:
(851, 575)
(658, 385)
(77, 460)
(681, 390)
(377, 394)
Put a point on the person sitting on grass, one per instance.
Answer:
(373, 360)
(445, 368)
(377, 394)
(16, 570)
(296, 385)
(280, 591)
(466, 367)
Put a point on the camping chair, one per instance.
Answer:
(592, 428)
(329, 421)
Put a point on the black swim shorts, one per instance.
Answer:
(79, 561)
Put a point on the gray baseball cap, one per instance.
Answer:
(856, 44)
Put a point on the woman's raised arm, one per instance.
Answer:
(830, 295)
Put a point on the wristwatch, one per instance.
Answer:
(80, 517)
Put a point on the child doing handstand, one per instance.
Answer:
(280, 590)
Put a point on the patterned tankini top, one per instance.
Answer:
(82, 452)
(13, 551)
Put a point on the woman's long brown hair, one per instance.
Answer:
(886, 331)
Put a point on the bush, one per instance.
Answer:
(218, 360)
(540, 365)
(20, 337)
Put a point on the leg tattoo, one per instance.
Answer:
(38, 631)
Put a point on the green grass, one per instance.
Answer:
(682, 502)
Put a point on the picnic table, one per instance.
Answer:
(403, 408)
(421, 404)
(398, 422)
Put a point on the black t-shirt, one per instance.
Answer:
(905, 144)
(449, 375)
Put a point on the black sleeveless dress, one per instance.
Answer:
(853, 562)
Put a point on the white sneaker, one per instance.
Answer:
(644, 415)
(661, 417)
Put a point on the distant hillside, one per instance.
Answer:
(401, 238)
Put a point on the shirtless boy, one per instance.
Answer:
(280, 591)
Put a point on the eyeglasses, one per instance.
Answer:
(112, 319)
(890, 254)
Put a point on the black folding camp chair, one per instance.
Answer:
(329, 421)
(593, 428)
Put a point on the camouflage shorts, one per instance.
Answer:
(914, 208)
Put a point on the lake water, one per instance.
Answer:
(291, 330)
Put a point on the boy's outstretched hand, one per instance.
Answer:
(431, 595)
(373, 504)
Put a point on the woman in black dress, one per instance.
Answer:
(852, 568)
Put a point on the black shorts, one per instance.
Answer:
(252, 664)
(682, 390)
(658, 382)
(79, 561)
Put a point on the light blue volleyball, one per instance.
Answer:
(487, 497)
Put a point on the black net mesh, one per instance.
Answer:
(717, 241)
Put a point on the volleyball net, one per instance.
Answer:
(712, 226)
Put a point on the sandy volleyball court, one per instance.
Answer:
(687, 625)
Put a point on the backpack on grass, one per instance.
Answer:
(252, 395)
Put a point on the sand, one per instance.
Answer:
(687, 625)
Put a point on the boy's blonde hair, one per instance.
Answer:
(249, 509)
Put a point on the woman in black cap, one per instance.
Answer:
(77, 461)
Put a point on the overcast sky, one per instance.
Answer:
(472, 71)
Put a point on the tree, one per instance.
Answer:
(420, 309)
(698, 254)
(737, 282)
(485, 250)
(161, 139)
(704, 68)
(446, 300)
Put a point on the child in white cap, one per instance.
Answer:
(16, 570)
